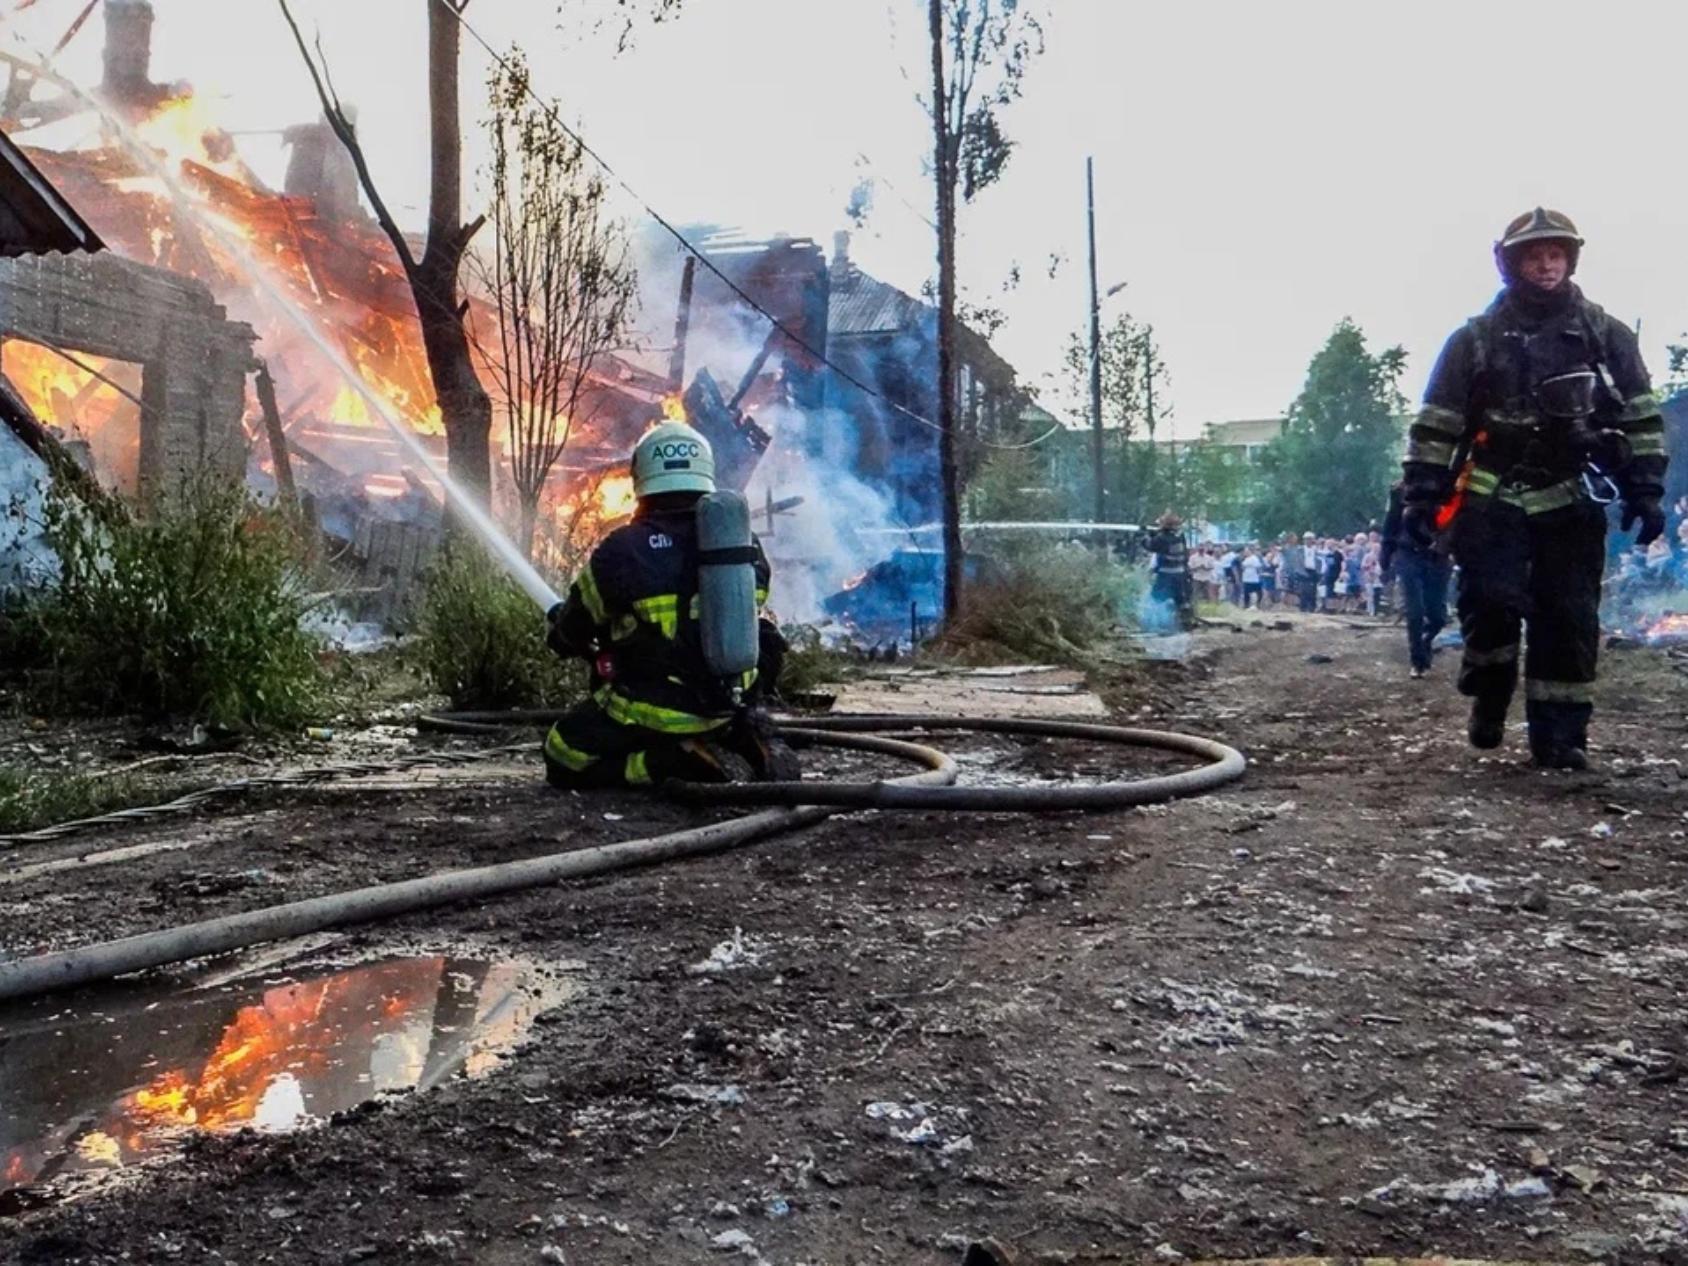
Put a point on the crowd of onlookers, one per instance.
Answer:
(1313, 573)
(1346, 574)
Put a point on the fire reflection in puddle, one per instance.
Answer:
(83, 1095)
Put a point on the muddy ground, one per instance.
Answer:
(1385, 995)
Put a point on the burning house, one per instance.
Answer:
(133, 361)
(34, 220)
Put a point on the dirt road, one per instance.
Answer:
(1385, 995)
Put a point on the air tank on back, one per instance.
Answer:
(726, 584)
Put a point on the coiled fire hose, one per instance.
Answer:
(798, 805)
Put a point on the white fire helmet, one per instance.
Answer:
(672, 457)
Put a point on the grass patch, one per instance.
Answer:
(192, 610)
(809, 664)
(1061, 604)
(480, 640)
(30, 801)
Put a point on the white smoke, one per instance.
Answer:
(842, 528)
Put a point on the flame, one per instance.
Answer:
(99, 1148)
(81, 406)
(674, 409)
(1672, 626)
(343, 271)
(615, 498)
(182, 129)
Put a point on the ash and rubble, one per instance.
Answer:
(1384, 997)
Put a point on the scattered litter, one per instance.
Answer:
(1482, 1185)
(1601, 830)
(692, 1092)
(1462, 885)
(883, 1111)
(777, 1208)
(734, 1241)
(729, 955)
(923, 1131)
(1586, 1177)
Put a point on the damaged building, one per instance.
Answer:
(64, 298)
(856, 356)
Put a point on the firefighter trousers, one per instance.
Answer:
(589, 749)
(1532, 579)
(1424, 600)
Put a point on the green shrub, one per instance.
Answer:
(1054, 603)
(29, 801)
(809, 663)
(191, 610)
(481, 640)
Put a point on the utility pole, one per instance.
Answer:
(1100, 511)
(1144, 509)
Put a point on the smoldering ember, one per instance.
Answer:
(669, 632)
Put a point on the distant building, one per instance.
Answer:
(1248, 436)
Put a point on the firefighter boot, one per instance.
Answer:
(756, 738)
(1558, 734)
(1487, 729)
(699, 759)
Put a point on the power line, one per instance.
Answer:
(686, 245)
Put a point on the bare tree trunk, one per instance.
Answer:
(465, 407)
(527, 521)
(949, 478)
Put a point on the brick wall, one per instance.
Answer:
(194, 360)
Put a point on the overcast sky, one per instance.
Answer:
(1263, 169)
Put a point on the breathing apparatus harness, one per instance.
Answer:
(1567, 401)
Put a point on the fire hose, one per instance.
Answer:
(796, 805)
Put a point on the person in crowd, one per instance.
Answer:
(1251, 568)
(1372, 573)
(1423, 571)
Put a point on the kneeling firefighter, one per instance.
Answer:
(667, 613)
(1538, 413)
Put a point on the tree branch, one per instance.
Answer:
(336, 116)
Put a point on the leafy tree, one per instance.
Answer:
(560, 277)
(1331, 468)
(1134, 404)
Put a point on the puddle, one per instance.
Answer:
(86, 1094)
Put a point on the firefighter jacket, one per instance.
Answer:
(1171, 554)
(1480, 425)
(636, 601)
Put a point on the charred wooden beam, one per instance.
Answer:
(737, 441)
(749, 379)
(682, 325)
(284, 484)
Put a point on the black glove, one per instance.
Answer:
(1418, 522)
(560, 637)
(1647, 512)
